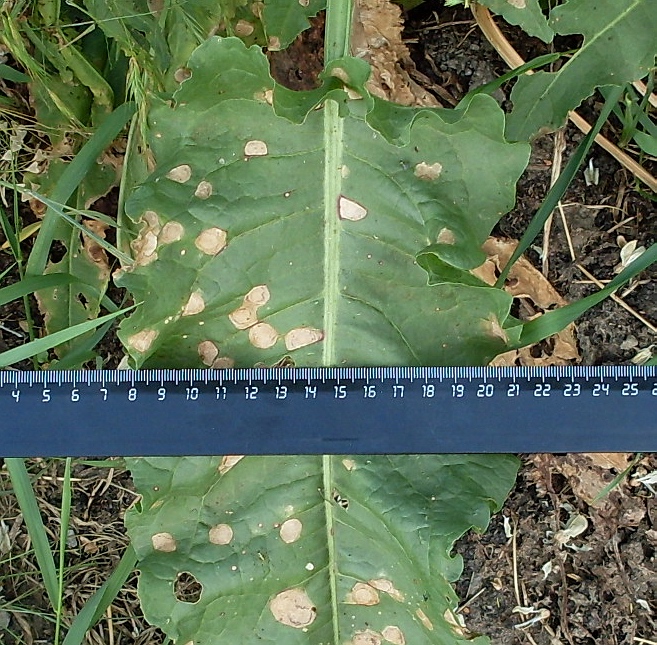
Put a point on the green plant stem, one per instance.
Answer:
(63, 536)
(337, 35)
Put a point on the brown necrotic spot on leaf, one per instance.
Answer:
(518, 4)
(182, 74)
(243, 28)
(290, 530)
(255, 148)
(341, 73)
(424, 619)
(304, 3)
(95, 251)
(145, 244)
(181, 173)
(493, 328)
(211, 241)
(228, 461)
(220, 534)
(223, 363)
(263, 336)
(243, 317)
(258, 296)
(164, 542)
(382, 584)
(171, 232)
(208, 351)
(362, 594)
(293, 608)
(187, 588)
(393, 634)
(141, 341)
(349, 464)
(428, 172)
(302, 336)
(350, 210)
(274, 43)
(367, 637)
(195, 304)
(203, 190)
(446, 236)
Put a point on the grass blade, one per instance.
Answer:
(20, 481)
(70, 180)
(560, 186)
(30, 285)
(48, 342)
(556, 320)
(65, 516)
(95, 607)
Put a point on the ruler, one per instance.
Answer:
(386, 410)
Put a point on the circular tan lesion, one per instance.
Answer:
(171, 232)
(263, 335)
(208, 352)
(302, 337)
(211, 241)
(290, 530)
(428, 172)
(180, 174)
(350, 210)
(221, 534)
(203, 190)
(393, 635)
(294, 608)
(194, 305)
(164, 542)
(362, 594)
(141, 341)
(255, 148)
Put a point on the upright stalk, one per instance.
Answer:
(337, 33)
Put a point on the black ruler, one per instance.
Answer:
(384, 410)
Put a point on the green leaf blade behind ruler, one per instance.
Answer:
(275, 241)
(260, 239)
(392, 522)
(619, 46)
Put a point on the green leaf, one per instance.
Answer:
(527, 14)
(277, 238)
(309, 549)
(619, 46)
(284, 20)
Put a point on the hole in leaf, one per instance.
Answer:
(187, 588)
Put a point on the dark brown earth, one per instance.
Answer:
(597, 588)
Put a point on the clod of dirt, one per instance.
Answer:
(428, 172)
(302, 336)
(228, 461)
(294, 608)
(255, 148)
(424, 619)
(164, 542)
(220, 534)
(211, 241)
(195, 304)
(290, 530)
(180, 174)
(393, 635)
(141, 341)
(382, 584)
(362, 594)
(263, 336)
(350, 210)
(203, 190)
